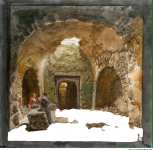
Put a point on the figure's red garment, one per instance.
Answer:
(32, 101)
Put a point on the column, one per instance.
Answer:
(94, 95)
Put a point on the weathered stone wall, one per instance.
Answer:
(69, 60)
(112, 41)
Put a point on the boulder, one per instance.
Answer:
(96, 125)
(74, 122)
(37, 120)
(61, 120)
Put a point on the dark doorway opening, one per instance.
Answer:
(109, 88)
(67, 95)
(67, 90)
(29, 85)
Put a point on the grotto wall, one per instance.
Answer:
(69, 60)
(115, 41)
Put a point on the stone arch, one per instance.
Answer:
(109, 87)
(93, 36)
(94, 43)
(119, 61)
(71, 61)
(30, 85)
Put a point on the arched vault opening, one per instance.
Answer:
(29, 85)
(109, 87)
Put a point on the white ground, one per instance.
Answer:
(117, 131)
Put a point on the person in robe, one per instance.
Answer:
(46, 106)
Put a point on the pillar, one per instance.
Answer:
(97, 71)
(94, 95)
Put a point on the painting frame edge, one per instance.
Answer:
(4, 90)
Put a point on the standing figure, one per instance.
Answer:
(46, 106)
(33, 101)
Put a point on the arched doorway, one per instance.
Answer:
(109, 87)
(67, 95)
(67, 91)
(29, 85)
